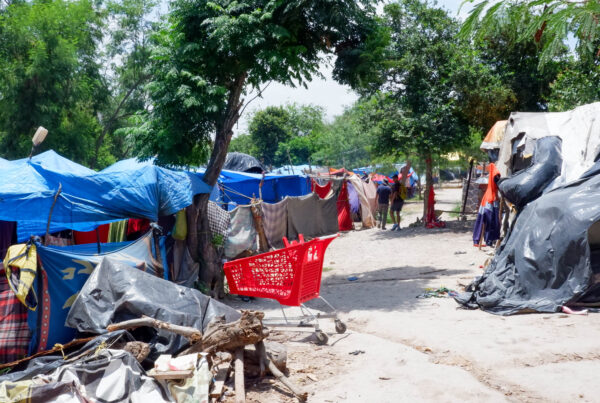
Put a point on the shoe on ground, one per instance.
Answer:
(394, 227)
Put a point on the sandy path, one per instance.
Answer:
(427, 349)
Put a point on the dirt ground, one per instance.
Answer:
(402, 348)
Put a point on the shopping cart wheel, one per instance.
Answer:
(321, 337)
(340, 326)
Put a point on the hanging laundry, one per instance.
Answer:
(24, 258)
(218, 220)
(14, 332)
(136, 227)
(241, 234)
(82, 238)
(311, 216)
(353, 199)
(343, 209)
(117, 231)
(431, 220)
(488, 218)
(180, 230)
(322, 191)
(275, 222)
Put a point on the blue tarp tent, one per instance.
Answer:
(88, 198)
(238, 187)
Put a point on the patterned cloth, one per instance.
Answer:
(14, 332)
(275, 222)
(218, 220)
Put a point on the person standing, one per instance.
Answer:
(383, 201)
(398, 196)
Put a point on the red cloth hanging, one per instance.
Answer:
(321, 191)
(431, 220)
(135, 225)
(81, 238)
(343, 209)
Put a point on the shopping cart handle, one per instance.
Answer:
(288, 243)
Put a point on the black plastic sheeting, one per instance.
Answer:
(546, 260)
(242, 163)
(528, 184)
(116, 292)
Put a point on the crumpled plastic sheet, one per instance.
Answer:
(528, 184)
(108, 376)
(242, 163)
(116, 292)
(545, 262)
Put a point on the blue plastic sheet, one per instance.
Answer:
(88, 198)
(68, 268)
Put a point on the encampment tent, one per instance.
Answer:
(29, 189)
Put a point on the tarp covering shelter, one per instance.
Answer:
(550, 259)
(494, 136)
(242, 163)
(116, 292)
(579, 130)
(88, 198)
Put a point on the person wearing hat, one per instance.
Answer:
(383, 201)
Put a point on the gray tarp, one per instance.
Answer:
(546, 261)
(116, 292)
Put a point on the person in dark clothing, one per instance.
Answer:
(397, 199)
(383, 201)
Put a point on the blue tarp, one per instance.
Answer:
(239, 187)
(88, 198)
(67, 268)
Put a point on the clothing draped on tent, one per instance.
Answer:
(353, 199)
(343, 209)
(368, 220)
(322, 191)
(14, 332)
(275, 222)
(488, 218)
(241, 235)
(322, 213)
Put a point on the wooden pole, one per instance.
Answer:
(240, 390)
(50, 213)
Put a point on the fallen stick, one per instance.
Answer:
(240, 391)
(221, 336)
(300, 394)
(193, 335)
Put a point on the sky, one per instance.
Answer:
(322, 92)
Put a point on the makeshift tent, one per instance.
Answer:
(578, 129)
(368, 220)
(28, 189)
(242, 163)
(492, 141)
(550, 258)
(65, 271)
(116, 291)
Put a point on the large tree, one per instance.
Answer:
(211, 53)
(431, 86)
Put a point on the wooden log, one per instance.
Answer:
(299, 393)
(221, 336)
(276, 352)
(220, 378)
(240, 392)
(261, 353)
(193, 335)
(138, 349)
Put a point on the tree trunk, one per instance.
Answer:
(429, 183)
(211, 273)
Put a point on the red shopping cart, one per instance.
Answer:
(291, 276)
